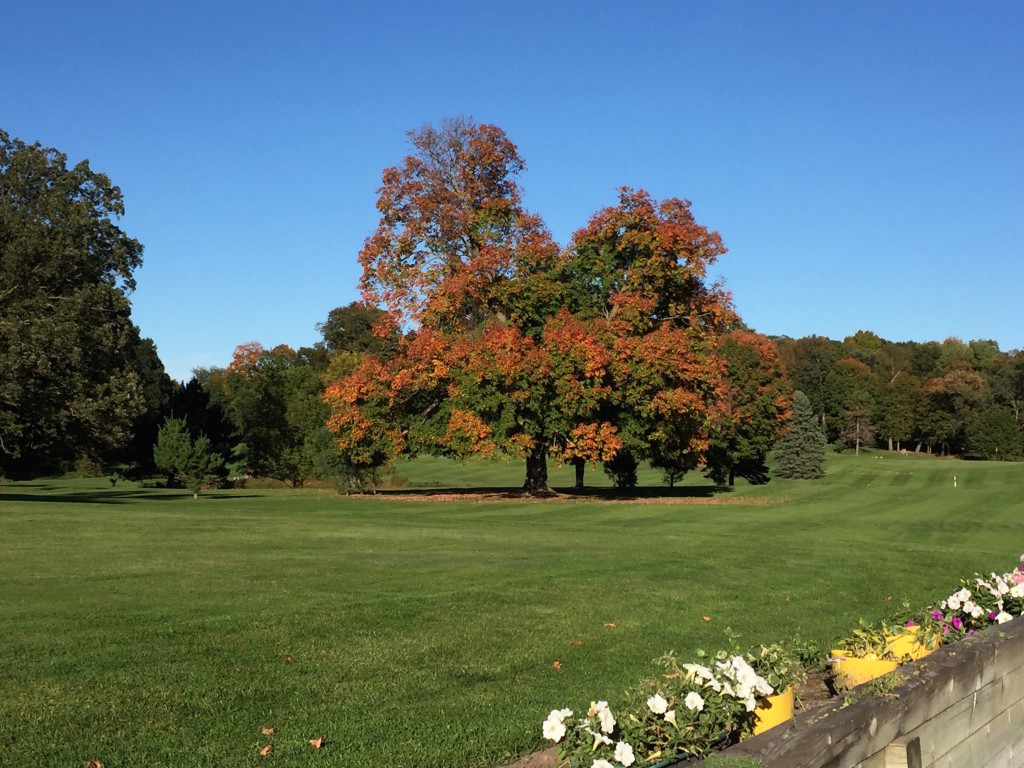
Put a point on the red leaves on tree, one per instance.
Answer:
(518, 348)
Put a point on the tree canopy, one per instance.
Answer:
(520, 348)
(68, 384)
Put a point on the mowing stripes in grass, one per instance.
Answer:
(142, 628)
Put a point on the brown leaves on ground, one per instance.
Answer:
(93, 764)
(268, 731)
(610, 624)
(557, 664)
(576, 643)
(266, 750)
(289, 660)
(317, 743)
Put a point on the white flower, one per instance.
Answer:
(670, 716)
(693, 701)
(963, 595)
(751, 704)
(601, 764)
(969, 606)
(601, 711)
(657, 704)
(1002, 617)
(624, 754)
(1017, 591)
(953, 603)
(599, 738)
(553, 727)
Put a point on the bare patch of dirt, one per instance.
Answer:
(546, 758)
(814, 690)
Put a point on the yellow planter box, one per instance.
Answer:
(778, 710)
(909, 644)
(851, 671)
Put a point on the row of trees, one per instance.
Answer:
(477, 335)
(950, 397)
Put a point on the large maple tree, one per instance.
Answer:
(513, 346)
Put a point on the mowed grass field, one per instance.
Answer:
(140, 627)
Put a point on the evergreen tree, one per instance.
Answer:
(800, 453)
(182, 458)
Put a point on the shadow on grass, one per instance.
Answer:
(111, 497)
(611, 494)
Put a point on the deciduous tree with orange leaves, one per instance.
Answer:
(515, 347)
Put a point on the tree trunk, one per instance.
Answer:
(890, 445)
(537, 472)
(732, 476)
(580, 465)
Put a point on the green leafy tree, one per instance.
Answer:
(155, 390)
(851, 391)
(812, 361)
(273, 398)
(359, 328)
(759, 399)
(68, 383)
(800, 453)
(900, 404)
(189, 461)
(1006, 382)
(994, 435)
(954, 400)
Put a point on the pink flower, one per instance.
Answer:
(957, 624)
(910, 623)
(937, 614)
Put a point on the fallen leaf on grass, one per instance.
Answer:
(266, 750)
(317, 743)
(268, 731)
(93, 764)
(706, 618)
(557, 665)
(610, 624)
(576, 643)
(289, 659)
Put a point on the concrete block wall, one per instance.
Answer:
(961, 706)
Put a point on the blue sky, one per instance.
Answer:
(864, 162)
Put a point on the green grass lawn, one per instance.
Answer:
(143, 628)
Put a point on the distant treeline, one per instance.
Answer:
(950, 397)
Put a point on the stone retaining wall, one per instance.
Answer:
(962, 707)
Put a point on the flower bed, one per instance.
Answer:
(694, 709)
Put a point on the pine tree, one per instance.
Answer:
(800, 453)
(182, 458)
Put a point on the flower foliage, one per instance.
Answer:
(690, 709)
(981, 602)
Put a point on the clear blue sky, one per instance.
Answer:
(864, 161)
